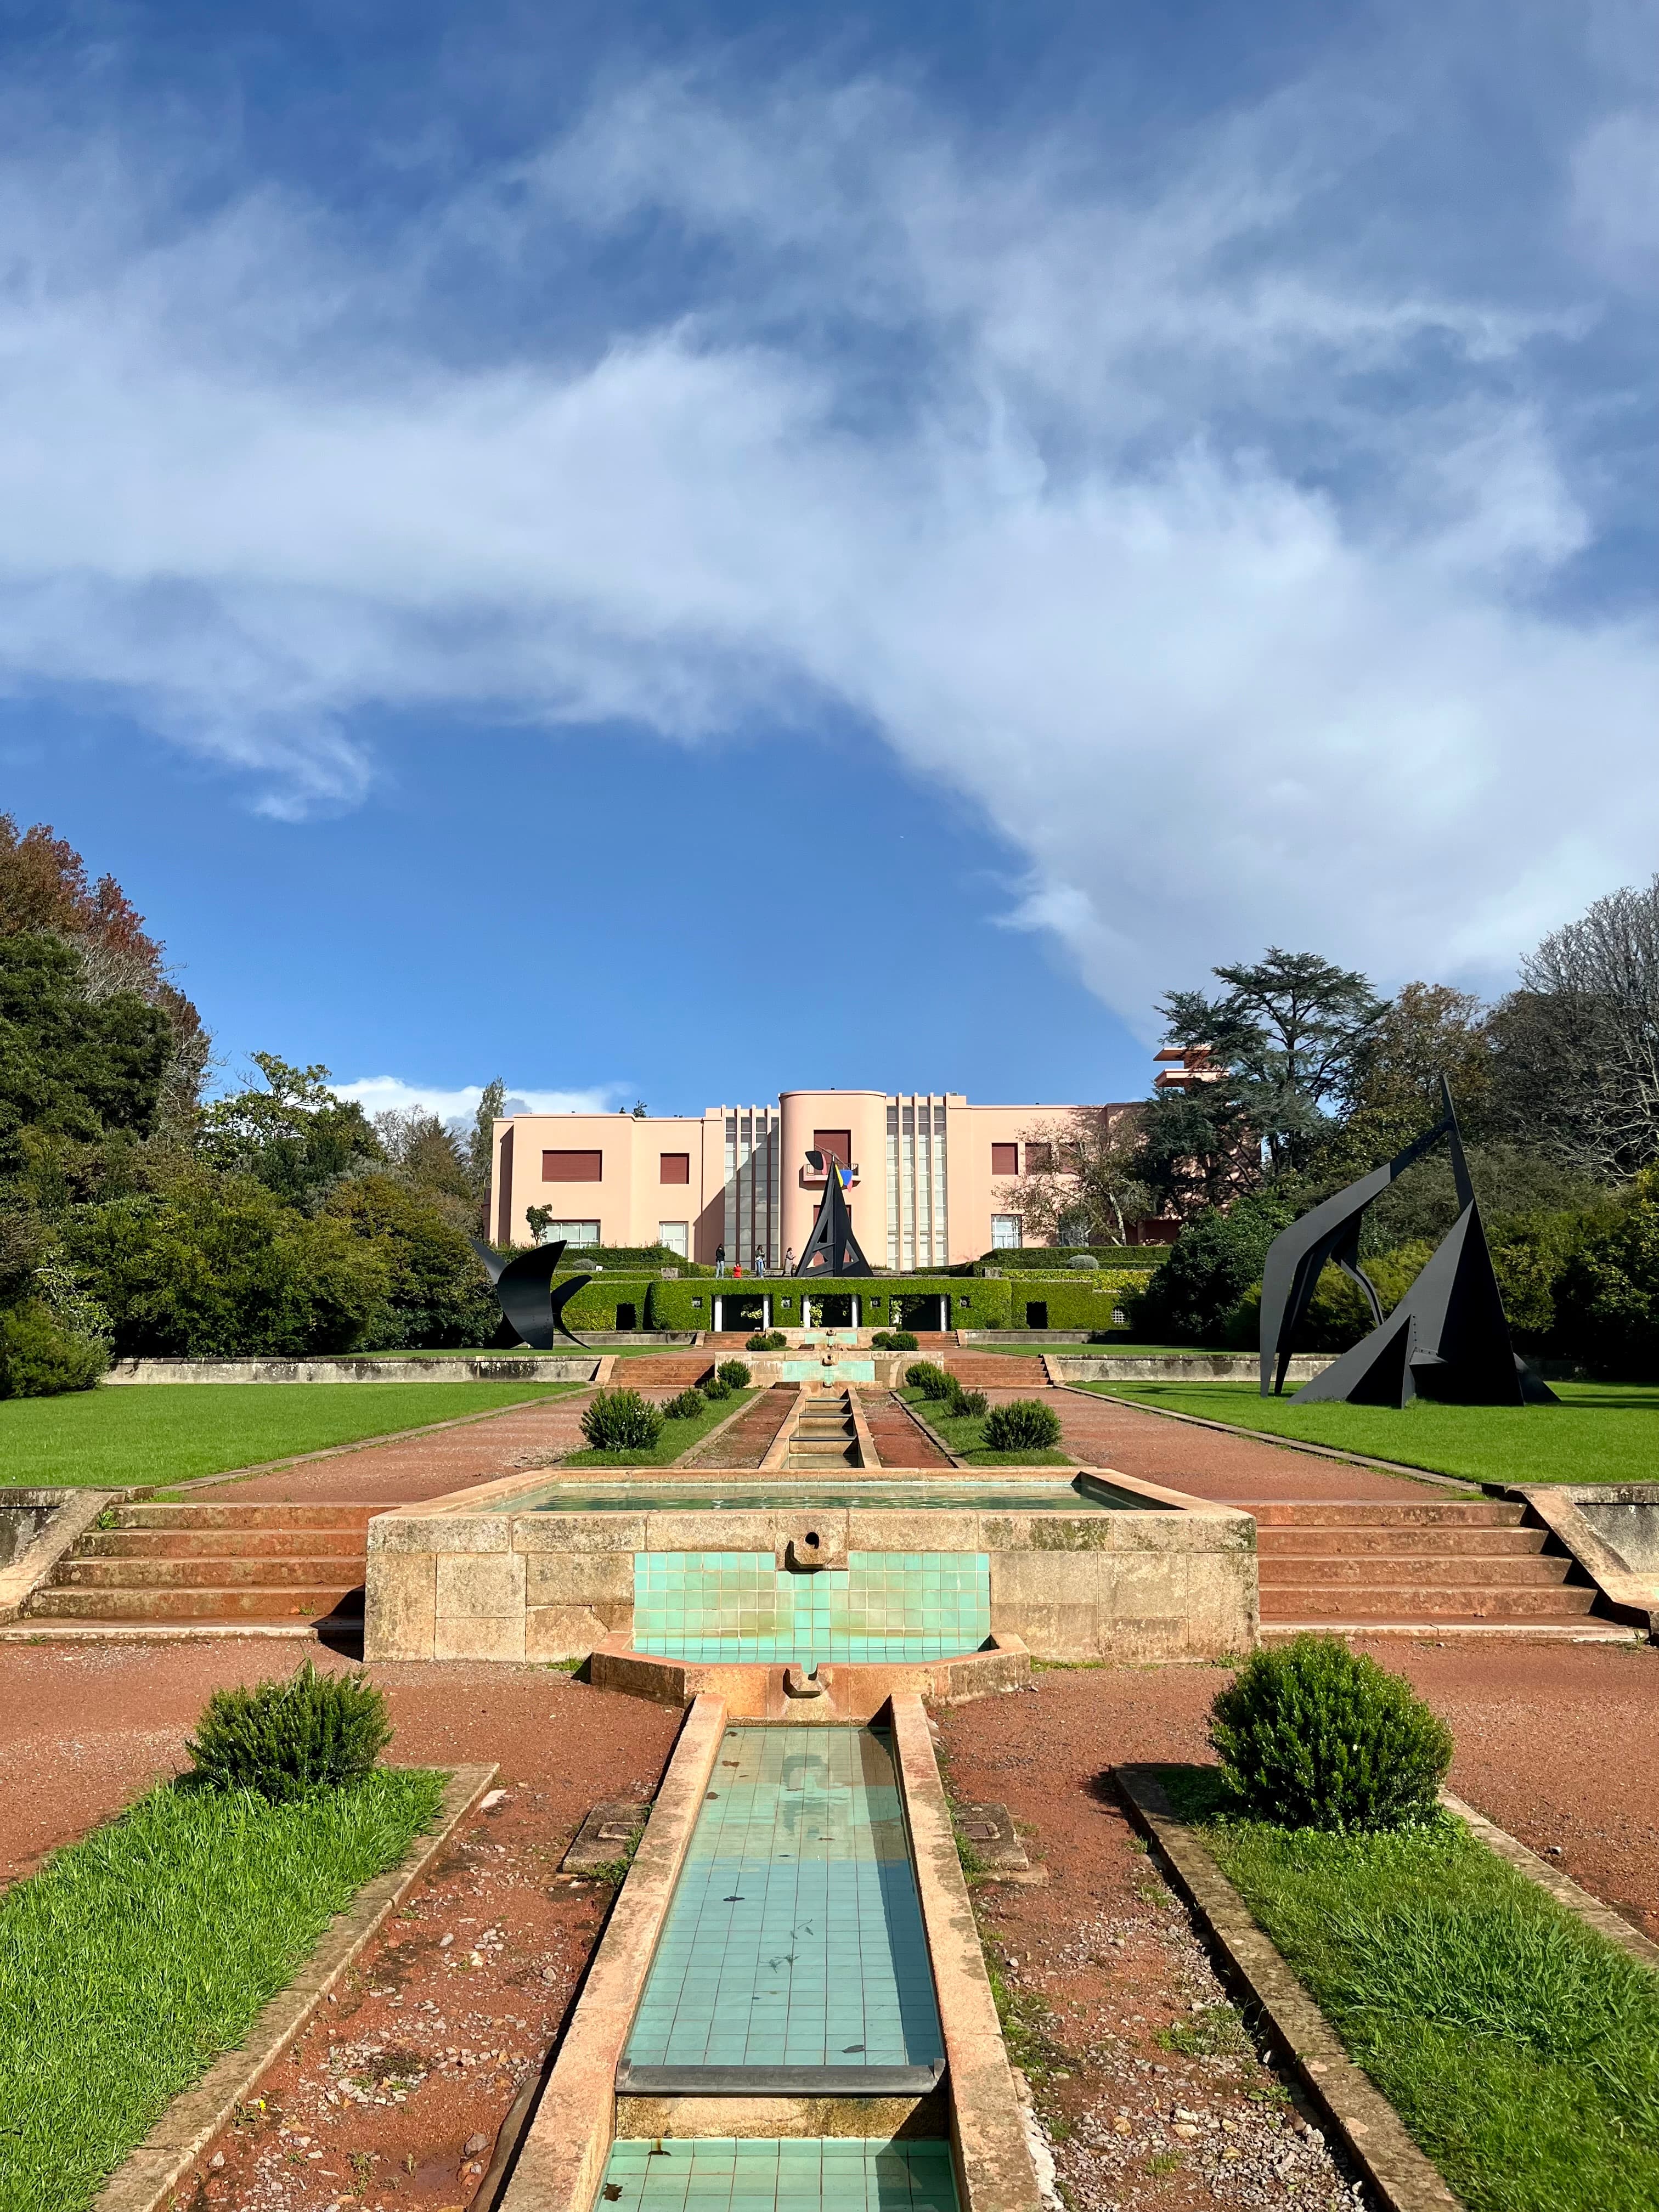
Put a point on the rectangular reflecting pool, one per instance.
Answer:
(800, 2174)
(793, 1956)
(993, 1495)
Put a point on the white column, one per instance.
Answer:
(719, 1320)
(857, 1305)
(766, 1310)
(805, 1310)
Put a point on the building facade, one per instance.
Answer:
(928, 1176)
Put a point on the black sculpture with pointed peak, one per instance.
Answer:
(832, 1248)
(523, 1287)
(1447, 1338)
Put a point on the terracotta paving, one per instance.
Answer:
(1230, 1470)
(752, 1435)
(406, 1468)
(897, 1440)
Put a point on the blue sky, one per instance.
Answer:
(671, 551)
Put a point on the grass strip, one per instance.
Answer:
(138, 1955)
(677, 1437)
(154, 1432)
(965, 1436)
(1520, 2047)
(1600, 1432)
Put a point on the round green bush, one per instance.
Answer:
(714, 1389)
(621, 1421)
(1022, 1424)
(931, 1380)
(769, 1339)
(894, 1339)
(734, 1373)
(39, 1357)
(970, 1405)
(687, 1406)
(1314, 1735)
(286, 1739)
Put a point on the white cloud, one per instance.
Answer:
(1208, 549)
(387, 1094)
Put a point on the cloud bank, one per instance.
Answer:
(1199, 518)
(390, 1094)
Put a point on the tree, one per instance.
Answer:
(1211, 1265)
(436, 1293)
(71, 1066)
(480, 1151)
(1579, 1042)
(295, 1136)
(1290, 1031)
(1196, 1149)
(427, 1155)
(1082, 1183)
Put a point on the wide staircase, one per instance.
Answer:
(1399, 1565)
(661, 1370)
(824, 1436)
(997, 1370)
(151, 1564)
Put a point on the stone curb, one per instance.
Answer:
(146, 2178)
(1319, 1451)
(363, 1443)
(1370, 2129)
(1561, 1887)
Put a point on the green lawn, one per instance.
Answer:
(1520, 2047)
(165, 1432)
(677, 1437)
(134, 1958)
(1600, 1432)
(963, 1434)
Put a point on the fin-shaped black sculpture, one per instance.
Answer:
(524, 1285)
(1448, 1337)
(832, 1248)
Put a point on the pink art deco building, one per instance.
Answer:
(928, 1176)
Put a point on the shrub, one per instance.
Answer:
(686, 1407)
(1212, 1264)
(1314, 1735)
(769, 1339)
(970, 1405)
(1085, 1260)
(931, 1380)
(714, 1387)
(286, 1739)
(621, 1421)
(39, 1357)
(1022, 1424)
(734, 1373)
(894, 1339)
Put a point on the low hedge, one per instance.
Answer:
(1051, 1259)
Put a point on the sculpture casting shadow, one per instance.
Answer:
(1447, 1338)
(524, 1286)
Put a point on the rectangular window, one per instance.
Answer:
(1039, 1159)
(571, 1232)
(1007, 1232)
(672, 1235)
(573, 1167)
(838, 1141)
(674, 1167)
(1004, 1160)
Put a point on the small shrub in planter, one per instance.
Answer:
(734, 1373)
(687, 1406)
(286, 1739)
(714, 1389)
(622, 1420)
(894, 1339)
(1314, 1735)
(933, 1382)
(770, 1340)
(39, 1357)
(970, 1405)
(1022, 1424)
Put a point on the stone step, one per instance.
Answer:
(1356, 1543)
(996, 1371)
(1484, 1513)
(224, 1515)
(221, 1573)
(207, 1604)
(218, 1543)
(1421, 1568)
(1406, 1602)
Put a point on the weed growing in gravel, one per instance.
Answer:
(1216, 2033)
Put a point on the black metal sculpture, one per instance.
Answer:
(1448, 1337)
(832, 1248)
(524, 1285)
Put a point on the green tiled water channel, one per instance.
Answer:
(740, 1607)
(793, 1955)
(723, 2174)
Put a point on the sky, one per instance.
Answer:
(677, 551)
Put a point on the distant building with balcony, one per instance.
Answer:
(925, 1176)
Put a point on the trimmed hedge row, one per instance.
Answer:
(1051, 1259)
(1066, 1302)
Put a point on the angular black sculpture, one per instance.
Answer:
(1447, 1338)
(524, 1286)
(832, 1248)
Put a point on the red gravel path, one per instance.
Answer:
(1230, 1470)
(406, 1468)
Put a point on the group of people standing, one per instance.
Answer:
(759, 1267)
